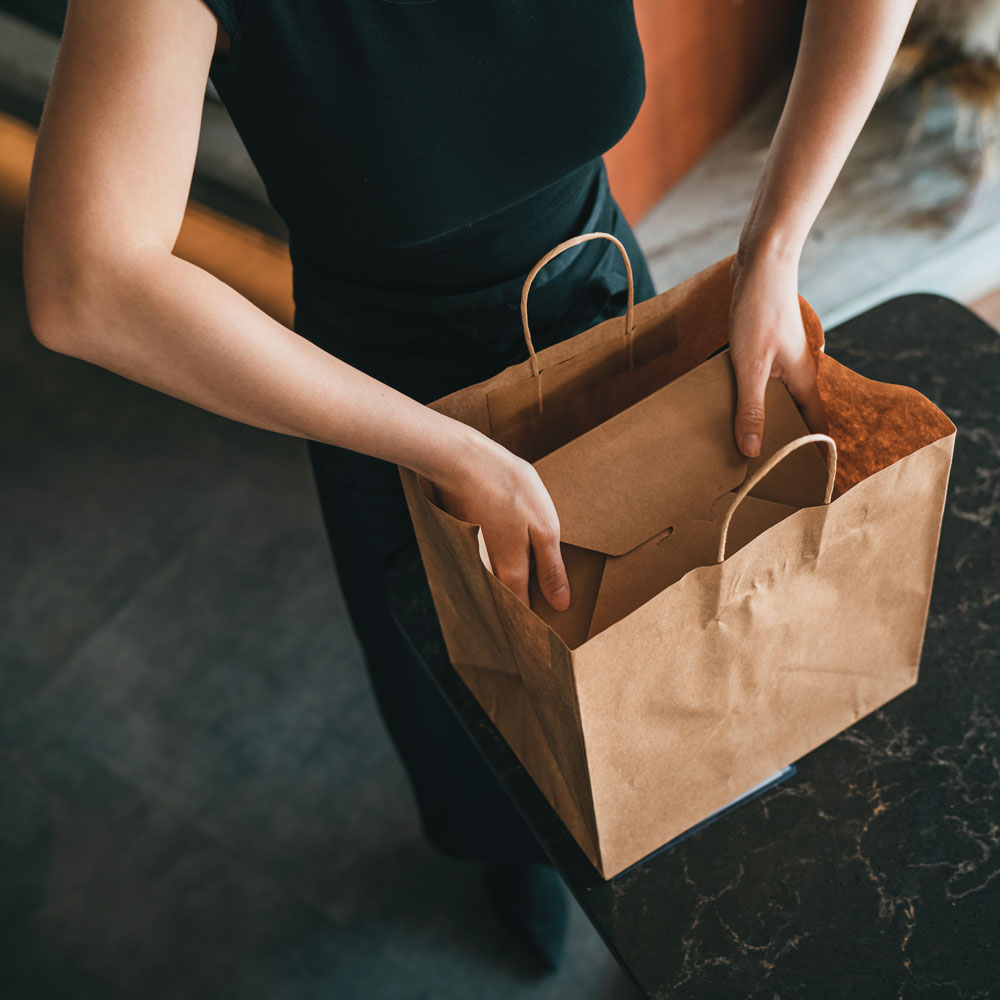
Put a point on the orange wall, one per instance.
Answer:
(706, 61)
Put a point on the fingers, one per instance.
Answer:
(512, 568)
(801, 385)
(522, 520)
(751, 381)
(549, 567)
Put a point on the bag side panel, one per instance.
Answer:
(488, 630)
(449, 548)
(744, 667)
(546, 670)
(506, 701)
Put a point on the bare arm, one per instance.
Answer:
(109, 185)
(845, 53)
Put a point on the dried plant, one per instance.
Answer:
(955, 44)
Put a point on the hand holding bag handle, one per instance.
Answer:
(778, 456)
(554, 252)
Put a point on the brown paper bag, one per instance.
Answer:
(728, 615)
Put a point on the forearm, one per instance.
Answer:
(845, 53)
(168, 324)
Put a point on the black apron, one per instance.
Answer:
(428, 345)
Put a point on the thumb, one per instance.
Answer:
(751, 381)
(551, 572)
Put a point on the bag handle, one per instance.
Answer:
(554, 252)
(778, 456)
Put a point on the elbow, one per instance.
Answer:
(74, 295)
(50, 329)
(50, 291)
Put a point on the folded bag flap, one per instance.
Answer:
(665, 460)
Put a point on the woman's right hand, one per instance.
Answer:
(492, 487)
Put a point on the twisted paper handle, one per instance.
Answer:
(554, 252)
(778, 456)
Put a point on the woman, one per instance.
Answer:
(424, 155)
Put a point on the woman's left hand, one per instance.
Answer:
(767, 340)
(844, 52)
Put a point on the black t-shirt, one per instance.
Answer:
(390, 132)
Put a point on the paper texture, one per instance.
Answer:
(674, 683)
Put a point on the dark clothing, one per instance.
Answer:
(424, 157)
(464, 810)
(431, 147)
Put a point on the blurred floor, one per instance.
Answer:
(197, 799)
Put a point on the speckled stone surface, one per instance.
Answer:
(874, 871)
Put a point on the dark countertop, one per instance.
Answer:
(874, 871)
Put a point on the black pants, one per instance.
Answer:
(464, 811)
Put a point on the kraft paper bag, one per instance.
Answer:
(728, 615)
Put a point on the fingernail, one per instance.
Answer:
(751, 445)
(560, 595)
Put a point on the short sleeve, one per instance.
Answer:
(227, 13)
